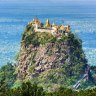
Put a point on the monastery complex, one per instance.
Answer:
(55, 30)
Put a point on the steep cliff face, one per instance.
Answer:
(50, 61)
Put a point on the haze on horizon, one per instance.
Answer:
(50, 2)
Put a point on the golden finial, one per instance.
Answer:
(47, 23)
(36, 21)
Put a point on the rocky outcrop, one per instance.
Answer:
(43, 57)
(50, 60)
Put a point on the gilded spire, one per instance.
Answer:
(36, 21)
(47, 23)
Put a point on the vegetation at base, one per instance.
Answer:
(7, 77)
(28, 89)
(93, 73)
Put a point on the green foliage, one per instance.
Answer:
(93, 74)
(28, 89)
(93, 68)
(7, 74)
(17, 84)
(7, 78)
(40, 38)
(87, 85)
(44, 38)
(63, 38)
(69, 92)
(31, 69)
(17, 56)
(3, 86)
(58, 77)
(32, 39)
(28, 31)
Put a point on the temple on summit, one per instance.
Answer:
(50, 28)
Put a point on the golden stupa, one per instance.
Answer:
(47, 23)
(36, 21)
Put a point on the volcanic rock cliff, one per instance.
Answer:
(51, 61)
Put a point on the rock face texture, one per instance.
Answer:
(50, 62)
(42, 58)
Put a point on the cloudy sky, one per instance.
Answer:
(62, 2)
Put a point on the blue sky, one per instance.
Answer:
(62, 2)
